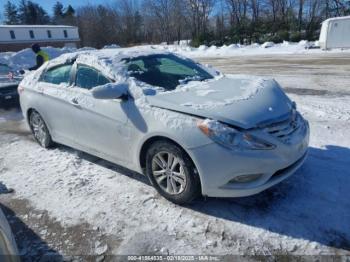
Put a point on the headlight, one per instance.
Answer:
(230, 137)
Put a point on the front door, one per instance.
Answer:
(102, 124)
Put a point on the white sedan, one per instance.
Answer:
(190, 129)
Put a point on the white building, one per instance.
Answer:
(17, 37)
(335, 33)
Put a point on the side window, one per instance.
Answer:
(65, 33)
(102, 80)
(31, 34)
(88, 77)
(12, 33)
(57, 75)
(49, 34)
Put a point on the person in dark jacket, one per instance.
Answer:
(41, 57)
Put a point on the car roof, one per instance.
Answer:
(116, 54)
(109, 61)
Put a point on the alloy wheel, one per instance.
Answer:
(169, 173)
(39, 128)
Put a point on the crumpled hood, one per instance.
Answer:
(239, 101)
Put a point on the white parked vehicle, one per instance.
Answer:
(335, 33)
(190, 129)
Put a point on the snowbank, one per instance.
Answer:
(268, 48)
(26, 58)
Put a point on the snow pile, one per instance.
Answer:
(268, 48)
(113, 46)
(267, 44)
(26, 58)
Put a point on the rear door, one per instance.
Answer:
(55, 104)
(102, 123)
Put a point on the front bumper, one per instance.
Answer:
(218, 166)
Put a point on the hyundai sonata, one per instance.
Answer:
(192, 130)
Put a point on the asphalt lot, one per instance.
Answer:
(39, 232)
(321, 74)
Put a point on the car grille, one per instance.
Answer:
(283, 130)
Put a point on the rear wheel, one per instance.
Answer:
(40, 130)
(172, 172)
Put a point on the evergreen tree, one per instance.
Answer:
(23, 15)
(10, 12)
(57, 13)
(70, 12)
(69, 16)
(30, 13)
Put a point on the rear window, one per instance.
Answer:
(12, 34)
(31, 34)
(57, 75)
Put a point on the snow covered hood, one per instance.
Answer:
(242, 102)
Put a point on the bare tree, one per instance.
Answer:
(127, 22)
(300, 14)
(200, 11)
(98, 25)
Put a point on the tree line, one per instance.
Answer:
(219, 22)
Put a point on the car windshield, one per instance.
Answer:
(165, 70)
(4, 69)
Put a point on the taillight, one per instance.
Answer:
(20, 89)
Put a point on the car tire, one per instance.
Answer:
(39, 129)
(172, 172)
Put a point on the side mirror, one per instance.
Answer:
(110, 91)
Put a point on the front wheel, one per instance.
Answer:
(39, 130)
(172, 172)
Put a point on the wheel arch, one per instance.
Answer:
(151, 140)
(30, 110)
(147, 144)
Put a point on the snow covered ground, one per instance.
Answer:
(307, 214)
(285, 48)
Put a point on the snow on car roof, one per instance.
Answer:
(108, 61)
